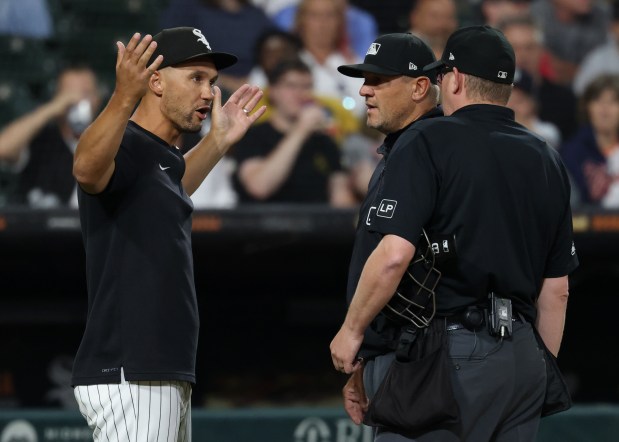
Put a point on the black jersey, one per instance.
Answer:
(142, 307)
(308, 181)
(380, 334)
(502, 191)
(49, 167)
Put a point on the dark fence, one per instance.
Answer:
(271, 284)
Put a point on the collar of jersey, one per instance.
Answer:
(391, 138)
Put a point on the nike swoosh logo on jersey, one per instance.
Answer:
(163, 168)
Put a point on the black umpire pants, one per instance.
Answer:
(499, 386)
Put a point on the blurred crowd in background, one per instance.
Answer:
(312, 146)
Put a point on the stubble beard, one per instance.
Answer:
(379, 125)
(186, 123)
(183, 121)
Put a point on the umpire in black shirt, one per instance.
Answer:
(398, 96)
(479, 177)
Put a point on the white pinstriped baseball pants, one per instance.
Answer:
(145, 411)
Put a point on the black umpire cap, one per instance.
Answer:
(480, 51)
(394, 54)
(178, 45)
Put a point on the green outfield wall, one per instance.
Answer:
(592, 423)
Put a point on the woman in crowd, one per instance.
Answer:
(592, 155)
(321, 26)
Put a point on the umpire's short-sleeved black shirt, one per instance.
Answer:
(379, 335)
(142, 307)
(502, 191)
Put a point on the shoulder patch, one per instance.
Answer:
(386, 208)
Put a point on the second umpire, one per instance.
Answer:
(479, 177)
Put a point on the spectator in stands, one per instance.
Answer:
(321, 25)
(572, 28)
(272, 47)
(592, 155)
(523, 103)
(603, 60)
(232, 26)
(360, 157)
(557, 104)
(276, 46)
(433, 21)
(44, 140)
(361, 27)
(290, 159)
(26, 18)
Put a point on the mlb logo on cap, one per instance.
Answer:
(394, 54)
(373, 49)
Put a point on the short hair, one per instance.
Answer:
(67, 67)
(286, 66)
(486, 90)
(601, 84)
(292, 39)
(71, 66)
(434, 94)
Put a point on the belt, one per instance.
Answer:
(455, 323)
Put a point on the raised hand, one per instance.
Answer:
(132, 74)
(313, 118)
(231, 121)
(63, 100)
(93, 163)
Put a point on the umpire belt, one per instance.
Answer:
(472, 318)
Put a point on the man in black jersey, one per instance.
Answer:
(502, 196)
(135, 366)
(398, 96)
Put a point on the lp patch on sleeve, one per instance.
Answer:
(386, 208)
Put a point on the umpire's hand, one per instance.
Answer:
(355, 400)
